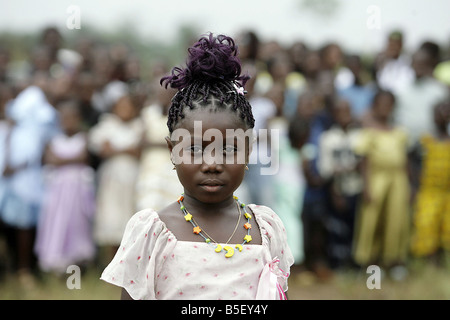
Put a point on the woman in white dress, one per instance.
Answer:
(117, 140)
(157, 183)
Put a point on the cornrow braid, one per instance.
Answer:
(212, 72)
(196, 95)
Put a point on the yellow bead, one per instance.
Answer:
(247, 215)
(239, 247)
(248, 238)
(188, 217)
(218, 248)
(229, 250)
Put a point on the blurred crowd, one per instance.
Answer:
(361, 145)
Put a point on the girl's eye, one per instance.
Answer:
(196, 149)
(229, 149)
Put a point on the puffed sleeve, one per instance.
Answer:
(145, 245)
(274, 236)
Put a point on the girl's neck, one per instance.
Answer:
(382, 124)
(201, 208)
(344, 127)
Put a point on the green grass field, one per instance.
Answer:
(424, 282)
(51, 287)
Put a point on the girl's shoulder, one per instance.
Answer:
(264, 212)
(269, 222)
(145, 245)
(273, 234)
(146, 230)
(144, 222)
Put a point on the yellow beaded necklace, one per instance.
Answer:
(208, 239)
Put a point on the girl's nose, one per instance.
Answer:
(212, 163)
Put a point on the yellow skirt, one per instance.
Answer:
(431, 222)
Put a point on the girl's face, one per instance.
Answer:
(205, 178)
(70, 120)
(342, 113)
(383, 107)
(125, 109)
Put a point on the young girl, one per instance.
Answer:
(64, 233)
(207, 244)
(338, 165)
(116, 139)
(382, 226)
(35, 121)
(431, 220)
(157, 185)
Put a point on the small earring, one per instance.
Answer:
(171, 160)
(246, 167)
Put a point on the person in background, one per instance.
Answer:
(338, 164)
(431, 219)
(287, 183)
(392, 67)
(5, 130)
(414, 110)
(117, 139)
(257, 185)
(157, 184)
(383, 220)
(312, 116)
(360, 92)
(248, 42)
(35, 122)
(64, 230)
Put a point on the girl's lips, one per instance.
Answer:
(211, 188)
(211, 182)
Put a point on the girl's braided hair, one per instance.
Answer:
(212, 69)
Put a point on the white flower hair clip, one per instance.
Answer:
(240, 90)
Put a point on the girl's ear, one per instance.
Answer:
(169, 144)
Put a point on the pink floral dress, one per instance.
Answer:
(152, 264)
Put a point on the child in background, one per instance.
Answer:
(315, 210)
(382, 226)
(168, 254)
(35, 122)
(5, 130)
(117, 140)
(64, 233)
(157, 185)
(287, 183)
(431, 220)
(338, 164)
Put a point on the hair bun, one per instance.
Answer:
(210, 59)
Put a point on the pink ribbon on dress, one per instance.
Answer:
(269, 288)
